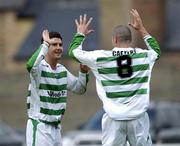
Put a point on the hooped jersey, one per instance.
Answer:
(122, 75)
(47, 96)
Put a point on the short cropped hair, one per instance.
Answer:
(53, 34)
(122, 33)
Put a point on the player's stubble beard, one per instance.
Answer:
(57, 56)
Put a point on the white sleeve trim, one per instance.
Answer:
(81, 33)
(147, 37)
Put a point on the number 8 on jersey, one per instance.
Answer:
(124, 66)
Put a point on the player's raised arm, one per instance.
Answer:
(83, 25)
(75, 49)
(39, 54)
(137, 24)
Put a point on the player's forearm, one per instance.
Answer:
(76, 42)
(151, 43)
(80, 85)
(37, 57)
(143, 32)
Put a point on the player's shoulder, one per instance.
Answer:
(140, 50)
(61, 67)
(146, 53)
(43, 64)
(102, 53)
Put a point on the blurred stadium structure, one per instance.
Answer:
(21, 23)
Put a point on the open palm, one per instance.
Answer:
(136, 22)
(83, 24)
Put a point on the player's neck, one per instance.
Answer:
(123, 45)
(51, 62)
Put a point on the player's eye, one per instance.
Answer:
(56, 44)
(60, 44)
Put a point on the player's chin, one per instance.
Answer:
(58, 56)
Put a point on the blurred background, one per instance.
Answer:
(21, 24)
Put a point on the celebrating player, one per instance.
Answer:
(48, 91)
(122, 81)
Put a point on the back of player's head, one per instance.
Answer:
(53, 34)
(122, 33)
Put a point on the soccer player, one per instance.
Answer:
(48, 91)
(122, 81)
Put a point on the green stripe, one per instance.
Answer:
(28, 105)
(52, 112)
(54, 123)
(138, 55)
(53, 87)
(76, 42)
(140, 67)
(53, 100)
(125, 93)
(29, 92)
(113, 70)
(124, 82)
(106, 59)
(154, 45)
(35, 123)
(87, 78)
(54, 75)
(32, 60)
(133, 56)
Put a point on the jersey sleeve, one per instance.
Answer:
(77, 85)
(75, 51)
(153, 47)
(33, 63)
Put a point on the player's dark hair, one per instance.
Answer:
(53, 34)
(122, 33)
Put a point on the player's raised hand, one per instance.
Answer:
(136, 20)
(83, 24)
(137, 23)
(45, 36)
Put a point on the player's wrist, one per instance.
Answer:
(80, 33)
(147, 37)
(143, 32)
(46, 43)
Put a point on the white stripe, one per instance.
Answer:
(53, 106)
(53, 81)
(124, 100)
(46, 68)
(50, 118)
(137, 61)
(131, 87)
(116, 77)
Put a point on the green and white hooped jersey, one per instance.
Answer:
(47, 96)
(122, 76)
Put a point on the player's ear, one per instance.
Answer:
(115, 39)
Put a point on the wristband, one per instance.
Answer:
(46, 43)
